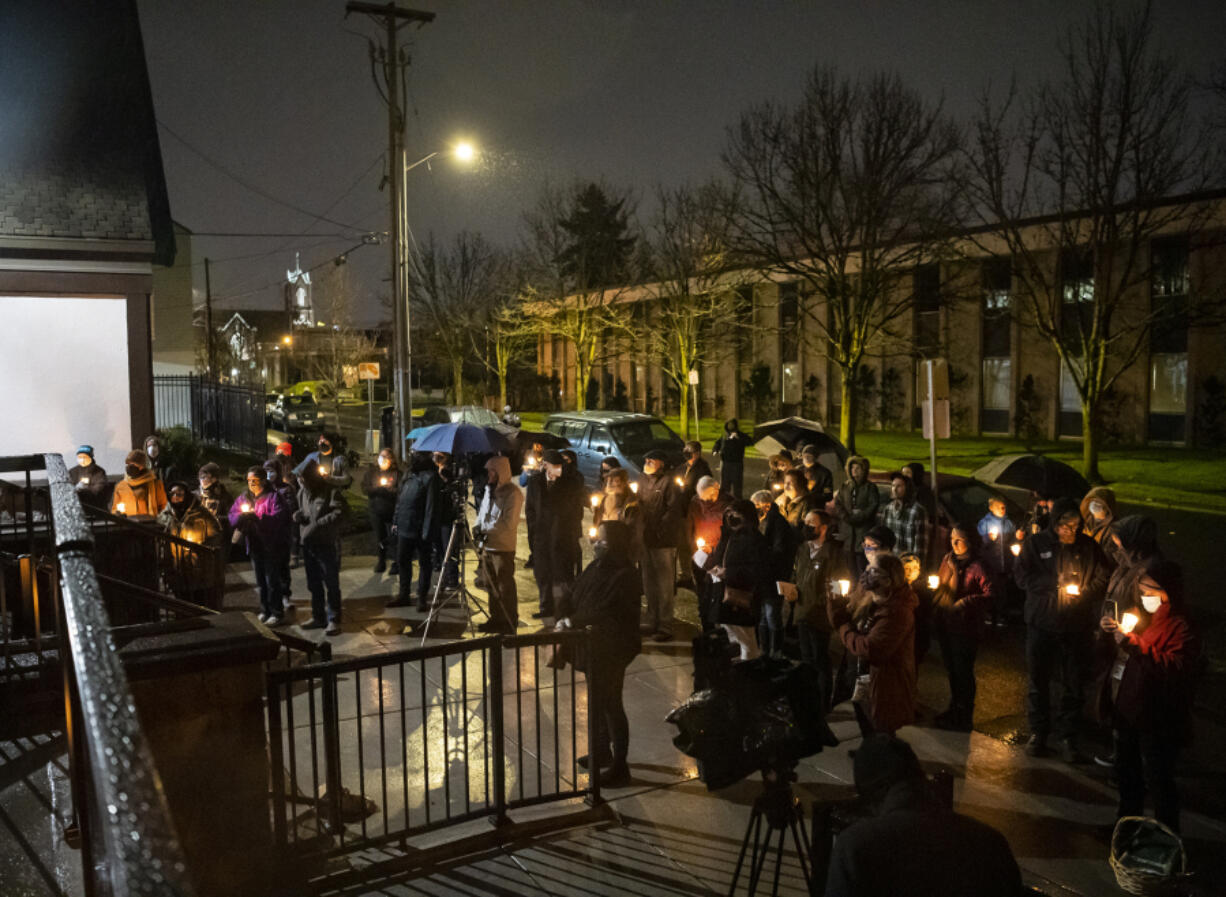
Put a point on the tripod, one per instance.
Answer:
(783, 812)
(461, 535)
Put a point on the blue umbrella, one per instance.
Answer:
(419, 432)
(462, 439)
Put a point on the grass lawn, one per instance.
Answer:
(1191, 479)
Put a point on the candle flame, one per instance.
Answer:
(1073, 589)
(591, 533)
(679, 481)
(596, 501)
(246, 508)
(844, 586)
(1128, 623)
(701, 542)
(120, 508)
(634, 487)
(382, 481)
(777, 486)
(323, 471)
(1016, 548)
(934, 581)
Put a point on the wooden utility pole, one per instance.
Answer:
(209, 350)
(388, 64)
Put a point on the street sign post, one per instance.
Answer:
(693, 379)
(934, 386)
(369, 371)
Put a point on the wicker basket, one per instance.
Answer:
(1143, 881)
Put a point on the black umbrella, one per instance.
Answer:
(524, 440)
(1038, 473)
(794, 433)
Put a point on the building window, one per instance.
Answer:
(1168, 341)
(996, 330)
(1070, 404)
(789, 322)
(926, 286)
(998, 385)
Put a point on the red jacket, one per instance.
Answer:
(1156, 689)
(965, 594)
(889, 647)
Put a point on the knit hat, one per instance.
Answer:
(286, 449)
(85, 450)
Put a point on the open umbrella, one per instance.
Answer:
(793, 434)
(462, 439)
(418, 432)
(1038, 473)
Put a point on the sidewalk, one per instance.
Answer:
(667, 834)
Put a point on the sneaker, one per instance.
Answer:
(333, 628)
(380, 565)
(286, 604)
(274, 620)
(1037, 746)
(262, 617)
(663, 635)
(312, 624)
(1069, 753)
(616, 776)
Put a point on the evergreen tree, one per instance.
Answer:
(599, 244)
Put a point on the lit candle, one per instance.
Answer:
(323, 471)
(532, 460)
(634, 487)
(382, 481)
(246, 509)
(120, 509)
(85, 480)
(933, 581)
(1016, 548)
(1072, 588)
(680, 482)
(777, 486)
(591, 532)
(596, 500)
(994, 533)
(844, 586)
(701, 543)
(1128, 623)
(191, 537)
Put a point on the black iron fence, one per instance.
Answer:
(374, 750)
(220, 414)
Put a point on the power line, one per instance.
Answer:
(207, 233)
(245, 183)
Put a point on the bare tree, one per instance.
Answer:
(1074, 181)
(574, 287)
(503, 332)
(449, 288)
(335, 352)
(842, 191)
(692, 287)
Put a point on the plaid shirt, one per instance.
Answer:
(909, 524)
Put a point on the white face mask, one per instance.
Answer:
(1151, 603)
(1097, 508)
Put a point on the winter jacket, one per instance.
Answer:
(195, 525)
(795, 509)
(1157, 687)
(623, 507)
(319, 515)
(663, 509)
(887, 641)
(705, 519)
(731, 448)
(141, 496)
(560, 525)
(996, 554)
(267, 525)
(964, 596)
(533, 483)
(1100, 530)
(740, 553)
(811, 573)
(92, 483)
(917, 847)
(498, 516)
(216, 500)
(417, 508)
(691, 474)
(606, 597)
(821, 482)
(1044, 569)
(780, 540)
(336, 468)
(381, 487)
(856, 505)
(1137, 556)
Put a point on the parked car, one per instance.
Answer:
(961, 500)
(270, 402)
(320, 390)
(456, 414)
(295, 414)
(623, 435)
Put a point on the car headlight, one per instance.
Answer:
(293, 417)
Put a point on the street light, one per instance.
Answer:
(402, 339)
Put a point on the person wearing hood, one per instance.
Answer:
(88, 479)
(381, 484)
(327, 461)
(730, 449)
(213, 494)
(663, 510)
(321, 508)
(881, 632)
(821, 481)
(415, 522)
(606, 598)
(1150, 691)
(704, 521)
(259, 515)
(557, 543)
(795, 501)
(185, 518)
(158, 462)
(855, 506)
(496, 529)
(139, 493)
(289, 495)
(965, 593)
(905, 517)
(1098, 513)
(741, 580)
(1063, 574)
(913, 843)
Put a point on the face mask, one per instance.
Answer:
(1151, 603)
(871, 553)
(325, 447)
(1097, 508)
(133, 470)
(152, 451)
(271, 475)
(810, 533)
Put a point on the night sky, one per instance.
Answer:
(637, 93)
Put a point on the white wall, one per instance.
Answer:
(64, 377)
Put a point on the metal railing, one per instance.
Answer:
(375, 750)
(220, 414)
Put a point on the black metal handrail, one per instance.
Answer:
(129, 845)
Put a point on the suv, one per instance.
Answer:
(295, 413)
(626, 436)
(456, 414)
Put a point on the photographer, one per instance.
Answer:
(416, 521)
(496, 529)
(452, 493)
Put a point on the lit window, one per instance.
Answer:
(1168, 384)
(997, 383)
(1070, 399)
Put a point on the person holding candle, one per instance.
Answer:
(327, 461)
(185, 518)
(88, 479)
(663, 509)
(532, 481)
(964, 593)
(321, 508)
(704, 521)
(795, 502)
(139, 493)
(696, 467)
(740, 581)
(1148, 695)
(289, 495)
(999, 547)
(381, 484)
(260, 517)
(1099, 513)
(820, 480)
(1063, 574)
(776, 467)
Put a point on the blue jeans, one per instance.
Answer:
(267, 569)
(323, 568)
(770, 627)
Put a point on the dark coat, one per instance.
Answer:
(560, 526)
(606, 597)
(319, 515)
(811, 574)
(1045, 566)
(731, 450)
(821, 482)
(887, 642)
(663, 508)
(266, 526)
(691, 474)
(916, 847)
(964, 596)
(705, 519)
(195, 524)
(382, 495)
(95, 485)
(740, 553)
(417, 507)
(780, 540)
(216, 500)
